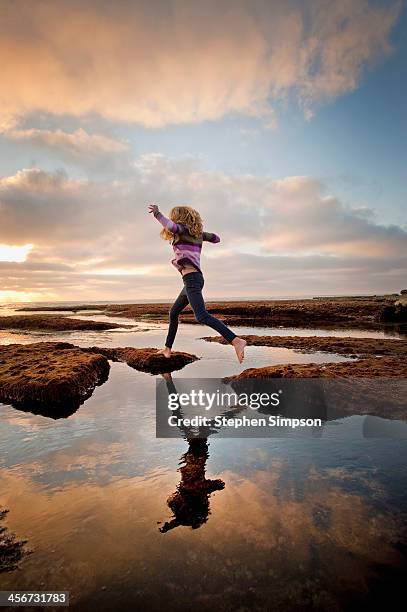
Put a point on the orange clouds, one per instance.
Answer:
(77, 145)
(96, 237)
(181, 61)
(302, 217)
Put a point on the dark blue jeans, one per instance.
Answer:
(192, 294)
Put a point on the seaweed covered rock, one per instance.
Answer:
(328, 344)
(328, 312)
(55, 323)
(396, 312)
(385, 367)
(371, 386)
(146, 359)
(51, 378)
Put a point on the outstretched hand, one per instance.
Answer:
(153, 208)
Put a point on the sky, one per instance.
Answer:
(282, 122)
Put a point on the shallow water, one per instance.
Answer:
(295, 523)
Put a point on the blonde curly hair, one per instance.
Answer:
(187, 216)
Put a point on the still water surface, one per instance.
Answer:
(281, 524)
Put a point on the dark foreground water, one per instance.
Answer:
(278, 524)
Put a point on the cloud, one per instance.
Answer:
(301, 216)
(344, 38)
(181, 61)
(95, 240)
(78, 146)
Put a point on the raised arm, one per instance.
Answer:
(174, 228)
(209, 237)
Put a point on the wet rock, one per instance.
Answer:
(328, 312)
(54, 323)
(370, 386)
(330, 344)
(146, 359)
(50, 378)
(78, 308)
(395, 313)
(386, 367)
(362, 312)
(321, 312)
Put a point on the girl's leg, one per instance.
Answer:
(193, 287)
(180, 303)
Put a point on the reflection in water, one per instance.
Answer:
(11, 549)
(190, 502)
(297, 528)
(51, 411)
(302, 524)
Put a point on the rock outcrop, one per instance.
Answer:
(55, 323)
(396, 312)
(146, 359)
(51, 378)
(385, 367)
(54, 378)
(372, 386)
(329, 312)
(354, 311)
(328, 344)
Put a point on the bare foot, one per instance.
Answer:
(165, 351)
(239, 345)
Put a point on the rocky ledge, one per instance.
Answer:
(57, 375)
(372, 386)
(330, 344)
(386, 367)
(366, 312)
(55, 378)
(145, 359)
(397, 312)
(55, 323)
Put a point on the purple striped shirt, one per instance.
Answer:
(187, 248)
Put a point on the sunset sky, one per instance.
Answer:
(282, 122)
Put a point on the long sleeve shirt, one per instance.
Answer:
(187, 248)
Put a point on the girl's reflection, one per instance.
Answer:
(190, 502)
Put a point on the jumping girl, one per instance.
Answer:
(184, 231)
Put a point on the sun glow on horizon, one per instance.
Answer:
(12, 297)
(15, 254)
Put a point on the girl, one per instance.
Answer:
(184, 231)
